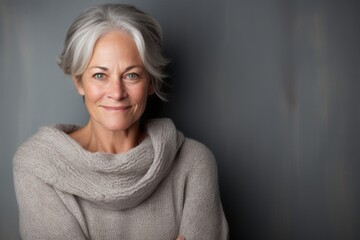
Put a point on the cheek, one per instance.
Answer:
(141, 93)
(93, 91)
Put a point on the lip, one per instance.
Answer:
(116, 108)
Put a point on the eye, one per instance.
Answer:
(132, 76)
(99, 76)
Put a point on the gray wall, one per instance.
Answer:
(270, 86)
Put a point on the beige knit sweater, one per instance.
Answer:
(164, 187)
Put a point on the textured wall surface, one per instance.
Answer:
(270, 86)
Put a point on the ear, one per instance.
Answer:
(151, 88)
(78, 84)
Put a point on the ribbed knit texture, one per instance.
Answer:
(164, 187)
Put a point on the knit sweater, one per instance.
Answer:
(164, 187)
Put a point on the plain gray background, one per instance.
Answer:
(270, 86)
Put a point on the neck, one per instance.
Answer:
(96, 138)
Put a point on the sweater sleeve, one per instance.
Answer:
(203, 216)
(42, 213)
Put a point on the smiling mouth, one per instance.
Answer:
(116, 108)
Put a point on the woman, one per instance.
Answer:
(115, 178)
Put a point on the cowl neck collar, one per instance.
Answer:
(118, 181)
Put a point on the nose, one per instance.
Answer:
(117, 89)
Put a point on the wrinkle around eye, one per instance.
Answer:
(132, 76)
(99, 76)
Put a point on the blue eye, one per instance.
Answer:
(132, 76)
(99, 76)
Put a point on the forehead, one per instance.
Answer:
(115, 47)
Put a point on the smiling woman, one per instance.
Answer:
(115, 178)
(115, 85)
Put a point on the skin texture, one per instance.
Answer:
(116, 86)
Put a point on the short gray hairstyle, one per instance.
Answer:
(94, 22)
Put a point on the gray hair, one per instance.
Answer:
(94, 22)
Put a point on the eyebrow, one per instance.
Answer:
(126, 69)
(102, 68)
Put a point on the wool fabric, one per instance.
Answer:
(164, 187)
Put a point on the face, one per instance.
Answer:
(115, 83)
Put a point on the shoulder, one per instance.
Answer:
(193, 148)
(43, 143)
(197, 157)
(30, 145)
